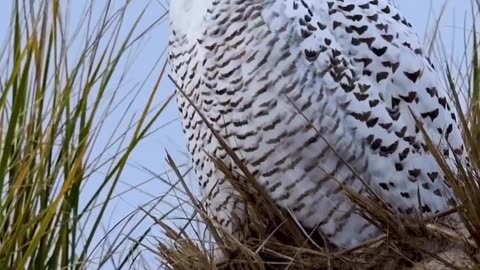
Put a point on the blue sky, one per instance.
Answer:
(148, 161)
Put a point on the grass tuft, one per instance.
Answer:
(57, 89)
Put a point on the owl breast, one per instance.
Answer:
(312, 95)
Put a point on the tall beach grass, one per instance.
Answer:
(59, 84)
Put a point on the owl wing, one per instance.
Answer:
(383, 80)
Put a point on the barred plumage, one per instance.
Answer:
(258, 69)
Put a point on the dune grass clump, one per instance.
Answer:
(59, 84)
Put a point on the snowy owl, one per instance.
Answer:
(310, 94)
